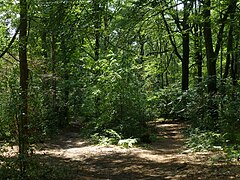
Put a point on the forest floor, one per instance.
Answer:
(70, 157)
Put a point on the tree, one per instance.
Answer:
(198, 47)
(231, 54)
(24, 121)
(184, 28)
(211, 53)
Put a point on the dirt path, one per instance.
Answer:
(69, 157)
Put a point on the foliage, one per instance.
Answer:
(229, 112)
(9, 107)
(120, 101)
(233, 152)
(111, 137)
(117, 64)
(127, 142)
(165, 102)
(205, 140)
(107, 137)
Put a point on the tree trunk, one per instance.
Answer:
(211, 65)
(106, 19)
(186, 49)
(53, 61)
(198, 44)
(65, 119)
(142, 43)
(96, 12)
(185, 62)
(97, 27)
(229, 52)
(24, 121)
(211, 59)
(234, 65)
(213, 55)
(184, 29)
(234, 54)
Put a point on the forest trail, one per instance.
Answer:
(70, 157)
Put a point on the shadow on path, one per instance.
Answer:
(69, 157)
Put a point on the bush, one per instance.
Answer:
(106, 137)
(205, 140)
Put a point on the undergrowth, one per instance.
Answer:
(199, 140)
(205, 140)
(111, 137)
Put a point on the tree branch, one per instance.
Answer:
(10, 43)
(16, 59)
(171, 39)
(231, 9)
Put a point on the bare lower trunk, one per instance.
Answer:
(23, 124)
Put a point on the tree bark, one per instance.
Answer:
(211, 59)
(229, 52)
(53, 61)
(234, 55)
(184, 29)
(213, 55)
(186, 49)
(65, 121)
(24, 121)
(198, 44)
(211, 65)
(97, 18)
(97, 26)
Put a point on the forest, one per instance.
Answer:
(119, 74)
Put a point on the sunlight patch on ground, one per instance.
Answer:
(9, 151)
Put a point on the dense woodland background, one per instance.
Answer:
(113, 65)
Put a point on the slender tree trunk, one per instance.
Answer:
(198, 44)
(221, 62)
(234, 65)
(97, 27)
(162, 80)
(235, 72)
(185, 63)
(142, 43)
(24, 121)
(96, 11)
(199, 59)
(65, 120)
(53, 61)
(166, 78)
(106, 20)
(229, 52)
(186, 49)
(211, 59)
(184, 29)
(234, 54)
